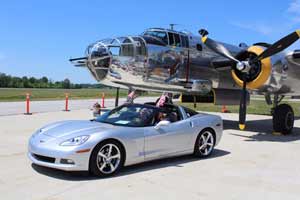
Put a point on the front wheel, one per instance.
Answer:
(107, 158)
(205, 143)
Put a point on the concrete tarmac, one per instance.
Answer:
(251, 164)
(15, 108)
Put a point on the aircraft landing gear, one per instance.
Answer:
(283, 116)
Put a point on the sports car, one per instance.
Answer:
(126, 135)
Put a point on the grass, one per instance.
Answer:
(19, 94)
(256, 107)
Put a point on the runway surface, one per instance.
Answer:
(15, 108)
(251, 164)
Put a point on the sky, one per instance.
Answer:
(38, 37)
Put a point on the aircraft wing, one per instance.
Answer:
(293, 57)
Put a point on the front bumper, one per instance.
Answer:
(56, 157)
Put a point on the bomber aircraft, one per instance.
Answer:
(201, 69)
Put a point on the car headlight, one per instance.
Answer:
(75, 141)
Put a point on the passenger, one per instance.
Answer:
(173, 117)
(164, 98)
(96, 110)
(145, 115)
(131, 96)
(161, 101)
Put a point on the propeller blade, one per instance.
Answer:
(243, 105)
(216, 46)
(279, 46)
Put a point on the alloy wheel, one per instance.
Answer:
(108, 158)
(206, 143)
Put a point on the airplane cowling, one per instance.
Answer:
(260, 73)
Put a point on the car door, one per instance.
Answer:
(168, 139)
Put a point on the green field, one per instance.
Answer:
(256, 107)
(19, 94)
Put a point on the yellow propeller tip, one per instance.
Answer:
(204, 39)
(242, 126)
(298, 32)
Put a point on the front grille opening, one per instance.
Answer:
(44, 158)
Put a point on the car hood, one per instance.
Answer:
(82, 127)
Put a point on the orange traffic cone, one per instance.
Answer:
(224, 109)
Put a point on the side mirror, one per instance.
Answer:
(162, 123)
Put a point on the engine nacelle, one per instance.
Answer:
(216, 96)
(259, 73)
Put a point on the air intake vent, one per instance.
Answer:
(44, 158)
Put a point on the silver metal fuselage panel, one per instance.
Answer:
(146, 64)
(160, 68)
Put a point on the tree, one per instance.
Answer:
(25, 82)
(44, 82)
(66, 84)
(44, 79)
(3, 80)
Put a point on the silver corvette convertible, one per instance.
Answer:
(126, 135)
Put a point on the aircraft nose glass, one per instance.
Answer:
(99, 59)
(107, 56)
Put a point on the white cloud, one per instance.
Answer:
(287, 22)
(293, 12)
(294, 7)
(256, 27)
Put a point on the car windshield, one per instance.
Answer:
(130, 115)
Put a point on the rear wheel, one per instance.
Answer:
(205, 143)
(107, 158)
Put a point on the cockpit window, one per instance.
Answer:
(183, 44)
(127, 48)
(177, 40)
(184, 41)
(140, 46)
(171, 39)
(174, 39)
(158, 34)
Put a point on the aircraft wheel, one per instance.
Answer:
(283, 119)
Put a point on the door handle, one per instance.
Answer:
(191, 124)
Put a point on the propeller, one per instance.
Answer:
(243, 104)
(245, 66)
(279, 46)
(215, 46)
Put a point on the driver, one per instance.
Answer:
(145, 115)
(162, 117)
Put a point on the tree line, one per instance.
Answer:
(7, 81)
